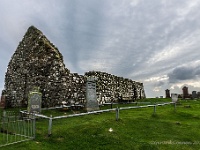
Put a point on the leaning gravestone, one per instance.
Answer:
(34, 101)
(174, 97)
(91, 96)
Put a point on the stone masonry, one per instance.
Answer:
(38, 63)
(114, 88)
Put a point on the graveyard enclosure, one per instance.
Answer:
(38, 63)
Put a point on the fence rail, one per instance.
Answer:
(99, 111)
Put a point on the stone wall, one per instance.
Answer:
(114, 88)
(38, 63)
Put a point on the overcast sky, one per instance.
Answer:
(156, 42)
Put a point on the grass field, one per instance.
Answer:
(137, 129)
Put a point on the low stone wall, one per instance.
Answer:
(113, 88)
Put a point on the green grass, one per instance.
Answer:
(137, 129)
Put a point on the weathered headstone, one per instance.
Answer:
(34, 101)
(185, 92)
(174, 97)
(167, 93)
(91, 97)
(194, 94)
(198, 94)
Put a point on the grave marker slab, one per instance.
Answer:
(194, 94)
(174, 97)
(91, 96)
(34, 102)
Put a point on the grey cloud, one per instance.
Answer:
(120, 35)
(160, 83)
(184, 73)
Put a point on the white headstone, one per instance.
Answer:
(174, 97)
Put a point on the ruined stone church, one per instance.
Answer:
(38, 63)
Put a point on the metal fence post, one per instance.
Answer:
(117, 114)
(154, 109)
(175, 106)
(50, 126)
(34, 127)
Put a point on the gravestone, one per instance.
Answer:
(34, 101)
(167, 93)
(174, 97)
(194, 94)
(91, 96)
